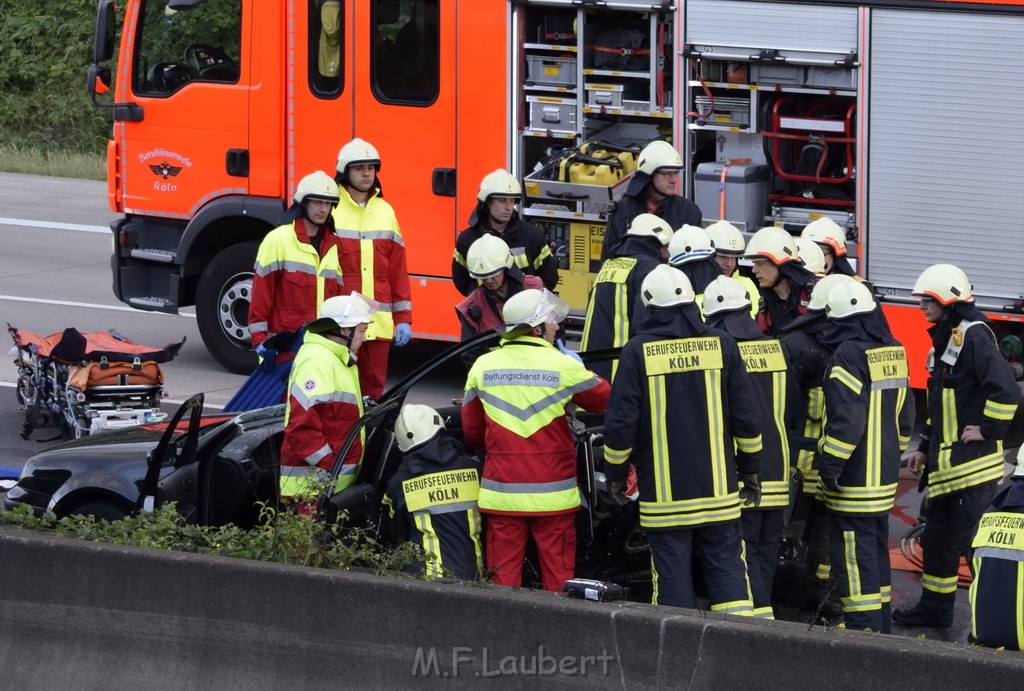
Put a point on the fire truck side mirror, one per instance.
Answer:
(105, 33)
(98, 82)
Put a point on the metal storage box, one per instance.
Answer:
(745, 192)
(776, 74)
(604, 95)
(544, 69)
(553, 114)
(837, 77)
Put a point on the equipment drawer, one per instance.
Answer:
(551, 113)
(544, 69)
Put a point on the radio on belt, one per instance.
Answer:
(588, 589)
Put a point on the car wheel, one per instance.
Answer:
(100, 509)
(222, 307)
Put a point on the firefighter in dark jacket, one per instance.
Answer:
(997, 591)
(869, 415)
(490, 263)
(808, 359)
(432, 498)
(495, 214)
(684, 416)
(727, 308)
(613, 299)
(972, 397)
(781, 278)
(653, 190)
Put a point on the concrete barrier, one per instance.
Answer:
(75, 614)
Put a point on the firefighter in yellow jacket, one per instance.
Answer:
(372, 255)
(324, 399)
(681, 410)
(516, 400)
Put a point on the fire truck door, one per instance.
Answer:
(405, 106)
(190, 74)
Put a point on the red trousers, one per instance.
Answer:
(556, 547)
(373, 367)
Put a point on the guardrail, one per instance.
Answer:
(76, 614)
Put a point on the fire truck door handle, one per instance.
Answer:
(442, 182)
(237, 163)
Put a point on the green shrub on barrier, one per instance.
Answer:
(285, 537)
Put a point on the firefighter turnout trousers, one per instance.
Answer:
(860, 560)
(948, 530)
(720, 546)
(762, 532)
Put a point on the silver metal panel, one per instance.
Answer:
(946, 157)
(767, 25)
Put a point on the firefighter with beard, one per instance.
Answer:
(614, 299)
(808, 359)
(692, 252)
(495, 214)
(727, 308)
(297, 265)
(972, 397)
(653, 189)
(490, 263)
(781, 278)
(729, 246)
(372, 253)
(432, 497)
(869, 415)
(515, 408)
(683, 414)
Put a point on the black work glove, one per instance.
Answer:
(613, 492)
(750, 492)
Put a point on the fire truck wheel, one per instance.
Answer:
(222, 307)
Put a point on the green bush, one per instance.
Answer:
(286, 537)
(44, 56)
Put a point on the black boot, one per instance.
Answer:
(915, 616)
(820, 600)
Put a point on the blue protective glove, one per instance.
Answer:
(402, 334)
(565, 351)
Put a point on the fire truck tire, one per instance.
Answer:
(222, 307)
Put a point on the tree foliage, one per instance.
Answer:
(44, 56)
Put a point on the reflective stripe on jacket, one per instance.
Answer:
(324, 403)
(515, 403)
(291, 280)
(869, 415)
(372, 254)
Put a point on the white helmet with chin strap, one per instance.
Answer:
(689, 244)
(657, 155)
(529, 308)
(499, 183)
(811, 255)
(488, 255)
(666, 286)
(416, 425)
(357, 151)
(726, 238)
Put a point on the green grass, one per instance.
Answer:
(53, 163)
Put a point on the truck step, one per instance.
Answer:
(154, 255)
(148, 303)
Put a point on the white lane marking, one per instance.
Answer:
(65, 303)
(53, 224)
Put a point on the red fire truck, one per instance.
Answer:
(898, 119)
